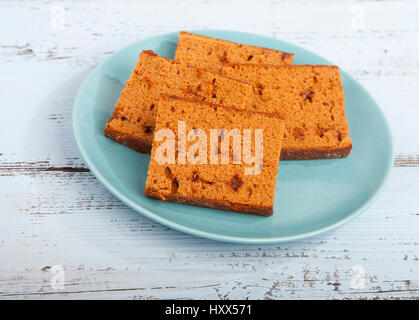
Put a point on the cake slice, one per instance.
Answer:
(311, 100)
(211, 54)
(181, 172)
(133, 120)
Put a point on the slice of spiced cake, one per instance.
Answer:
(214, 156)
(211, 53)
(133, 120)
(311, 100)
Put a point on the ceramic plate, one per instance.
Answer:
(313, 197)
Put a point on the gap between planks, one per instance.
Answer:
(37, 167)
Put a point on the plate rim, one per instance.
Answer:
(215, 236)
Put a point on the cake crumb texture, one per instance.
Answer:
(310, 99)
(133, 120)
(221, 186)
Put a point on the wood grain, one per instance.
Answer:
(54, 212)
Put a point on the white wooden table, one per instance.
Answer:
(54, 215)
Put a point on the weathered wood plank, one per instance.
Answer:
(108, 249)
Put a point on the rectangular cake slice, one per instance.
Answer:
(310, 99)
(211, 53)
(215, 156)
(133, 120)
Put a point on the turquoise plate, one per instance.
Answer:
(313, 197)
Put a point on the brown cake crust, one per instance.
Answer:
(315, 154)
(129, 141)
(220, 205)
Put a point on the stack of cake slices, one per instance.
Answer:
(218, 118)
